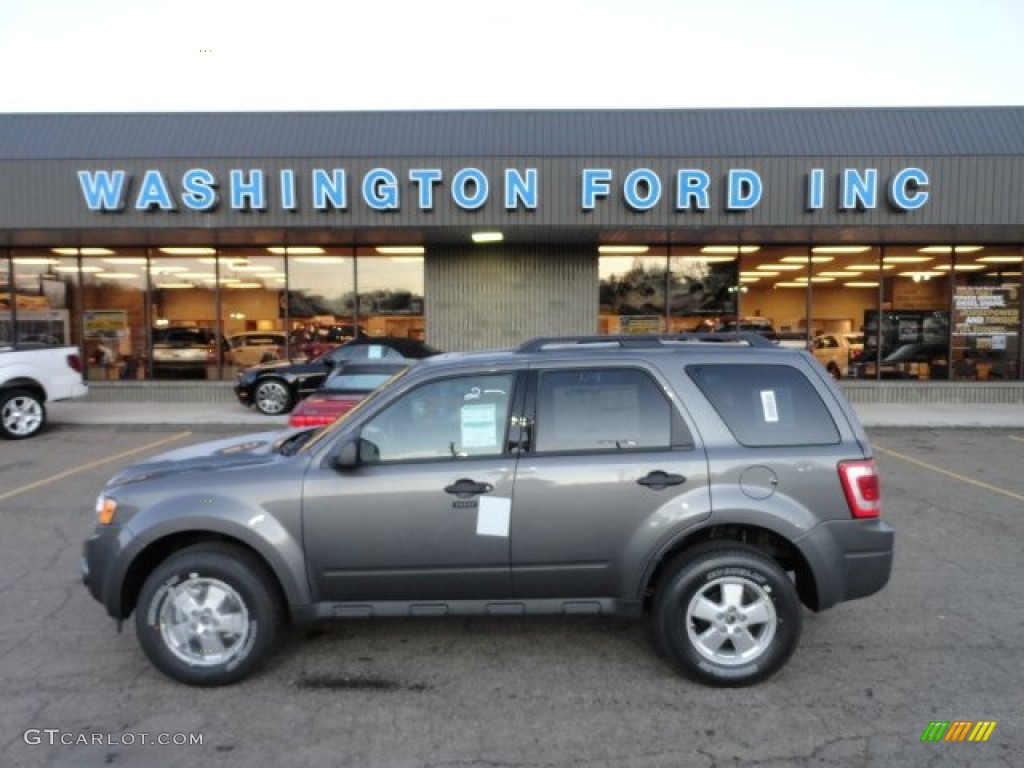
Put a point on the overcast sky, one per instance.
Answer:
(229, 55)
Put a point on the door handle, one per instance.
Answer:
(465, 488)
(658, 480)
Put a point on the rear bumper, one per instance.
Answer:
(849, 559)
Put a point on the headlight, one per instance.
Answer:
(106, 508)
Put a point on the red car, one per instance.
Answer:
(342, 390)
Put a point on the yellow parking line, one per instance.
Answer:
(954, 475)
(90, 465)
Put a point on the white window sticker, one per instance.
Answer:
(769, 406)
(492, 517)
(480, 425)
(375, 352)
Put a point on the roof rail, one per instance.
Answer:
(646, 341)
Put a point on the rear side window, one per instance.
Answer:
(616, 409)
(365, 352)
(766, 405)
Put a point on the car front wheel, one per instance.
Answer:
(727, 616)
(273, 397)
(209, 615)
(22, 414)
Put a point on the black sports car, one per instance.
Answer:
(275, 387)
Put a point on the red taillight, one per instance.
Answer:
(318, 410)
(300, 420)
(862, 487)
(75, 363)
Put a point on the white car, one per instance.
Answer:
(253, 347)
(31, 376)
(833, 351)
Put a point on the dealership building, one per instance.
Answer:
(482, 229)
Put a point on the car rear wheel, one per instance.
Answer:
(22, 414)
(727, 616)
(273, 397)
(209, 615)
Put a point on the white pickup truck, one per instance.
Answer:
(32, 375)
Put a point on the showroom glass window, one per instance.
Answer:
(40, 284)
(633, 281)
(390, 282)
(653, 289)
(320, 305)
(251, 308)
(115, 327)
(703, 286)
(184, 313)
(986, 318)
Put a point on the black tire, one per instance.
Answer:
(234, 624)
(273, 397)
(747, 598)
(834, 370)
(22, 413)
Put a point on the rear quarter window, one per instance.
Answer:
(766, 405)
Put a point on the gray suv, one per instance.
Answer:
(710, 484)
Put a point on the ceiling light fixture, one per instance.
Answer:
(400, 250)
(295, 250)
(487, 237)
(733, 249)
(950, 249)
(841, 248)
(803, 259)
(180, 251)
(907, 259)
(83, 251)
(32, 261)
(623, 249)
(1002, 259)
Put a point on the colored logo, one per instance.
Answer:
(958, 730)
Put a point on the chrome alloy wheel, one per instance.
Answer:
(204, 621)
(731, 621)
(272, 397)
(22, 415)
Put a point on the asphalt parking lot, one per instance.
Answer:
(943, 642)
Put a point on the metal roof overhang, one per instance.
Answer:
(689, 235)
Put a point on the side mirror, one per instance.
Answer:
(347, 456)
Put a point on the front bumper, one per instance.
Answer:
(99, 558)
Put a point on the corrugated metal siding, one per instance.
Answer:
(700, 133)
(486, 298)
(966, 192)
